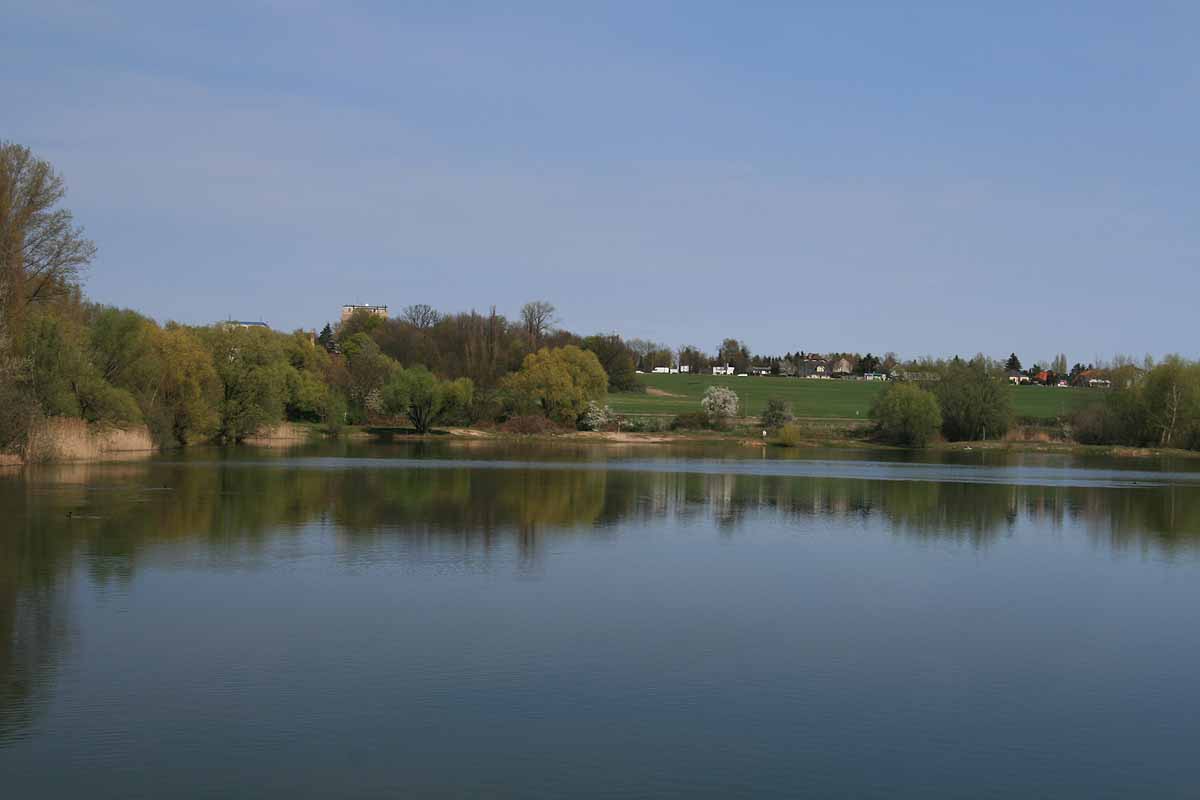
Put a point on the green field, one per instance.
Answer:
(836, 399)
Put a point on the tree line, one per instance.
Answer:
(63, 356)
(1154, 405)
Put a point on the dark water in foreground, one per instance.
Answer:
(464, 620)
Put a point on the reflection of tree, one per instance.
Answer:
(33, 613)
(233, 513)
(976, 513)
(457, 500)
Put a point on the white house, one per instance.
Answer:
(662, 370)
(685, 369)
(725, 370)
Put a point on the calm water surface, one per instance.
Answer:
(475, 620)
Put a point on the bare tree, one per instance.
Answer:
(481, 347)
(421, 316)
(42, 251)
(538, 318)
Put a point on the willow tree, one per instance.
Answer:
(42, 250)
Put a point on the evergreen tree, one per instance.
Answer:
(1013, 363)
(326, 340)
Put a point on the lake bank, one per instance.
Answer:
(72, 441)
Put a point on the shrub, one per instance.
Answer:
(906, 414)
(486, 407)
(646, 424)
(790, 435)
(1093, 424)
(720, 403)
(777, 413)
(691, 421)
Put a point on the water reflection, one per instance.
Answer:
(106, 519)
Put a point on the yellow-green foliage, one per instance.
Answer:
(558, 382)
(183, 406)
(790, 436)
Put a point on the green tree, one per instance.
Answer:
(183, 406)
(975, 403)
(426, 400)
(777, 413)
(120, 342)
(1170, 394)
(253, 374)
(1013, 363)
(616, 359)
(327, 340)
(360, 321)
(557, 382)
(56, 351)
(66, 382)
(906, 414)
(868, 363)
(17, 408)
(369, 369)
(42, 251)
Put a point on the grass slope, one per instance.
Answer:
(816, 398)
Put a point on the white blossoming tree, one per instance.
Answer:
(596, 417)
(721, 405)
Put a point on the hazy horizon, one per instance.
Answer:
(919, 180)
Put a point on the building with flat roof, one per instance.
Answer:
(348, 311)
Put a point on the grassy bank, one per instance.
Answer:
(837, 399)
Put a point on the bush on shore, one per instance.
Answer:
(691, 421)
(790, 435)
(906, 414)
(975, 403)
(777, 413)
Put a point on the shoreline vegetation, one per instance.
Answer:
(74, 442)
(83, 381)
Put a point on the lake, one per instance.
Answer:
(472, 619)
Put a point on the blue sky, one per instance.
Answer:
(924, 178)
